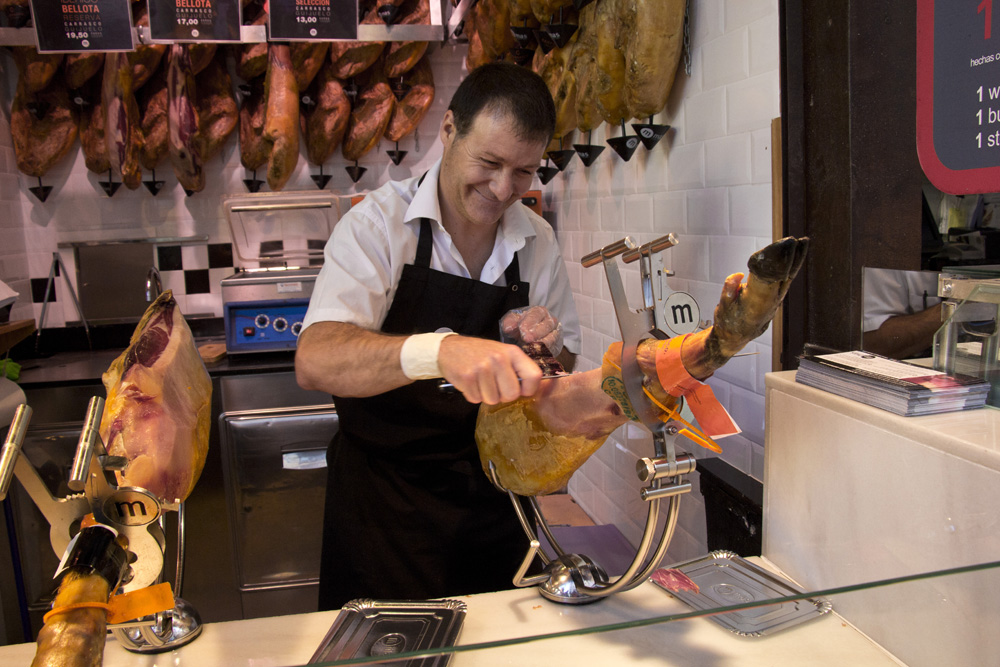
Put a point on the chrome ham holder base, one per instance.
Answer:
(132, 511)
(576, 578)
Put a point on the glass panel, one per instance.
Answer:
(630, 626)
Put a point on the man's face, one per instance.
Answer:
(488, 169)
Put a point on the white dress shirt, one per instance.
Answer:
(371, 243)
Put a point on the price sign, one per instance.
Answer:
(73, 26)
(195, 20)
(312, 20)
(958, 94)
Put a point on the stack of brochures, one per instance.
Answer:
(897, 386)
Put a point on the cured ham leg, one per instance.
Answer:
(123, 126)
(183, 142)
(537, 443)
(281, 118)
(74, 632)
(43, 126)
(158, 409)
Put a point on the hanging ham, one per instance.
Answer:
(43, 126)
(183, 144)
(122, 130)
(281, 121)
(324, 122)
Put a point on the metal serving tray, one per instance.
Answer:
(724, 578)
(383, 628)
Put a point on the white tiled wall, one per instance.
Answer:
(708, 181)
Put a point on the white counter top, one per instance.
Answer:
(291, 640)
(972, 435)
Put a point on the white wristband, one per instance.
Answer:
(419, 355)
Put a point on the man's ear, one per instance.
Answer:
(448, 129)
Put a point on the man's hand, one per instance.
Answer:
(487, 371)
(534, 324)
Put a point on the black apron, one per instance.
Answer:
(410, 514)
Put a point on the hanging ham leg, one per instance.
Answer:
(371, 114)
(409, 111)
(43, 126)
(281, 122)
(36, 69)
(324, 124)
(217, 110)
(253, 149)
(153, 109)
(537, 443)
(123, 128)
(158, 410)
(183, 143)
(92, 121)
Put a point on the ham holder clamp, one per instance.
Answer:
(576, 578)
(133, 512)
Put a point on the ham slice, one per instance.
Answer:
(537, 443)
(281, 120)
(158, 408)
(123, 128)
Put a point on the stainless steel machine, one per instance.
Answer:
(279, 240)
(263, 309)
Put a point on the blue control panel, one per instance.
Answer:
(263, 326)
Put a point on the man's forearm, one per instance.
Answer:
(903, 336)
(346, 360)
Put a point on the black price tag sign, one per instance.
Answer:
(312, 20)
(73, 26)
(958, 94)
(195, 20)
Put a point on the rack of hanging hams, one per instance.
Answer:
(176, 105)
(603, 60)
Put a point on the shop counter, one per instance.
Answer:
(291, 640)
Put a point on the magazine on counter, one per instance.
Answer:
(897, 386)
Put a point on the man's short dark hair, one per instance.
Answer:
(508, 90)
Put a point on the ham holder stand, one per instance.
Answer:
(576, 578)
(133, 512)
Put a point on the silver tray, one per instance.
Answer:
(724, 578)
(366, 628)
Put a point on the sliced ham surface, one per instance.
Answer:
(157, 412)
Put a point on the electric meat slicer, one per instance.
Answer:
(132, 511)
(576, 578)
